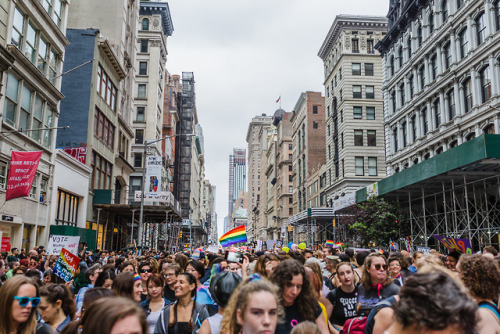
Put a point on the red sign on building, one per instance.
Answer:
(5, 245)
(22, 171)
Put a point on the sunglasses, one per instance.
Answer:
(23, 301)
(379, 266)
(144, 271)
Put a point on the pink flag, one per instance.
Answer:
(279, 98)
(22, 171)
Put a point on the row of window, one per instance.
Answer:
(27, 110)
(54, 8)
(357, 92)
(101, 172)
(106, 88)
(67, 208)
(359, 166)
(104, 128)
(356, 70)
(32, 42)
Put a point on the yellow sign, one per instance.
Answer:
(333, 221)
(290, 228)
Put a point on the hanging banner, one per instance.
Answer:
(22, 171)
(5, 246)
(153, 175)
(462, 245)
(58, 242)
(66, 265)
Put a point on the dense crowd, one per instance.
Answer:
(301, 291)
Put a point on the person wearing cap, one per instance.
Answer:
(222, 286)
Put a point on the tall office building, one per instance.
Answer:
(355, 155)
(255, 150)
(237, 177)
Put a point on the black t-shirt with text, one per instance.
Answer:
(344, 305)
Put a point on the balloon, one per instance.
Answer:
(290, 244)
(302, 245)
(286, 249)
(294, 247)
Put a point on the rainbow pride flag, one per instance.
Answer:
(236, 235)
(329, 243)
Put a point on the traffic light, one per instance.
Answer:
(333, 221)
(290, 228)
(180, 234)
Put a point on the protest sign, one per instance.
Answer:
(462, 245)
(22, 171)
(270, 244)
(213, 249)
(58, 242)
(66, 265)
(425, 250)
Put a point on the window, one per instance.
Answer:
(485, 84)
(11, 102)
(106, 88)
(290, 189)
(141, 91)
(359, 166)
(419, 35)
(341, 96)
(356, 69)
(101, 172)
(290, 147)
(391, 66)
(144, 45)
(371, 137)
(38, 108)
(355, 45)
(342, 140)
(356, 91)
(47, 134)
(402, 94)
(139, 136)
(400, 57)
(437, 113)
(370, 113)
(444, 10)
(145, 24)
(370, 46)
(328, 130)
(431, 22)
(421, 74)
(426, 121)
(370, 92)
(447, 56)
(67, 208)
(3, 174)
(496, 5)
(408, 47)
(414, 127)
(411, 86)
(30, 47)
(104, 128)
(463, 43)
(315, 110)
(404, 133)
(42, 55)
(341, 116)
(140, 114)
(340, 73)
(372, 166)
(54, 8)
(395, 137)
(25, 114)
(393, 101)
(290, 156)
(450, 96)
(481, 29)
(34, 185)
(18, 28)
(434, 69)
(358, 137)
(358, 112)
(143, 68)
(368, 69)
(315, 125)
(138, 160)
(467, 88)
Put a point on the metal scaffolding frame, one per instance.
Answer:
(459, 205)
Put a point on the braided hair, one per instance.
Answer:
(192, 280)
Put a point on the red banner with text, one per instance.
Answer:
(22, 171)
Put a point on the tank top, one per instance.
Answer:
(214, 322)
(492, 307)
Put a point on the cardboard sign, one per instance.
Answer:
(58, 242)
(425, 250)
(66, 265)
(462, 245)
(5, 244)
(23, 166)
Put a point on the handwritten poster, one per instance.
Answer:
(66, 265)
(58, 242)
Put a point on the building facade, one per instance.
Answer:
(237, 179)
(254, 150)
(355, 151)
(33, 43)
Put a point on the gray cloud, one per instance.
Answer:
(244, 55)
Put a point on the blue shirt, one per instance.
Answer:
(80, 295)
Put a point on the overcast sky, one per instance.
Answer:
(244, 55)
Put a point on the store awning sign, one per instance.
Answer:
(22, 171)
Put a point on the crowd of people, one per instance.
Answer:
(302, 291)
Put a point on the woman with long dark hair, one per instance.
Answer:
(57, 306)
(155, 302)
(297, 297)
(186, 315)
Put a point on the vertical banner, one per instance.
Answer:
(22, 171)
(5, 246)
(66, 264)
(153, 175)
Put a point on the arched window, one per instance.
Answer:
(419, 35)
(408, 46)
(391, 66)
(453, 143)
(496, 5)
(470, 136)
(490, 129)
(439, 150)
(463, 43)
(467, 89)
(400, 56)
(459, 3)
(444, 10)
(431, 22)
(485, 78)
(145, 24)
(481, 28)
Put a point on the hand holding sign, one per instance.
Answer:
(66, 265)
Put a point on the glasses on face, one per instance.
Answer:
(380, 266)
(169, 275)
(33, 264)
(145, 271)
(23, 301)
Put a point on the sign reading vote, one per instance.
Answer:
(58, 242)
(66, 265)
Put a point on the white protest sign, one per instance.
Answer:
(425, 250)
(58, 242)
(213, 249)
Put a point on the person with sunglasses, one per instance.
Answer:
(18, 302)
(145, 271)
(376, 284)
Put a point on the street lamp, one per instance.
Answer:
(146, 144)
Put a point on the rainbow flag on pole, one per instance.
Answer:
(329, 243)
(236, 235)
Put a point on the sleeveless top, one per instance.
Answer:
(214, 322)
(492, 307)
